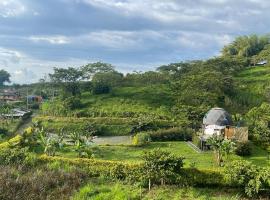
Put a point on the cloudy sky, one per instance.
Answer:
(37, 35)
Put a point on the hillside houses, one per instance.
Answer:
(9, 95)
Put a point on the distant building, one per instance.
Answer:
(217, 121)
(34, 99)
(17, 113)
(9, 95)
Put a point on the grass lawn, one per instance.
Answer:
(200, 160)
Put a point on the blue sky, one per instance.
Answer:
(37, 35)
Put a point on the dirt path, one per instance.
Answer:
(26, 123)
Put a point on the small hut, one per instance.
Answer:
(218, 121)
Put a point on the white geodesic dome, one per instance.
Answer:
(217, 116)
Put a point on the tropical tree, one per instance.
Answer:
(246, 46)
(258, 119)
(68, 78)
(81, 145)
(222, 147)
(48, 143)
(91, 69)
(4, 77)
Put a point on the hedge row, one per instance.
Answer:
(15, 141)
(104, 126)
(172, 134)
(102, 120)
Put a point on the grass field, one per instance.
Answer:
(133, 154)
(102, 190)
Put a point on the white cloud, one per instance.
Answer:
(11, 8)
(166, 11)
(50, 39)
(9, 56)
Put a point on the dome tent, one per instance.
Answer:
(217, 116)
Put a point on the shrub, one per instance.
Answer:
(101, 88)
(141, 139)
(161, 166)
(200, 177)
(251, 178)
(3, 131)
(72, 103)
(243, 149)
(17, 184)
(172, 134)
(17, 156)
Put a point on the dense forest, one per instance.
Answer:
(161, 110)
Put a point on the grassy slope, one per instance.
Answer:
(114, 113)
(151, 99)
(252, 90)
(203, 160)
(98, 189)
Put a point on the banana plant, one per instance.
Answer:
(81, 145)
(48, 143)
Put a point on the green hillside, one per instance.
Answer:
(253, 86)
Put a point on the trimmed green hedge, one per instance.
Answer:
(172, 134)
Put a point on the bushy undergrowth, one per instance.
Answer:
(115, 191)
(35, 184)
(243, 149)
(141, 139)
(250, 178)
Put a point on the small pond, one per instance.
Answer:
(113, 140)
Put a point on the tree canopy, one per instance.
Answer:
(4, 77)
(246, 46)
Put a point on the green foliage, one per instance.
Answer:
(116, 191)
(72, 103)
(222, 148)
(161, 166)
(54, 108)
(172, 134)
(141, 139)
(201, 178)
(246, 46)
(103, 82)
(17, 156)
(3, 131)
(248, 176)
(258, 119)
(101, 88)
(145, 78)
(196, 140)
(243, 149)
(91, 69)
(68, 79)
(264, 54)
(4, 77)
(41, 183)
(205, 83)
